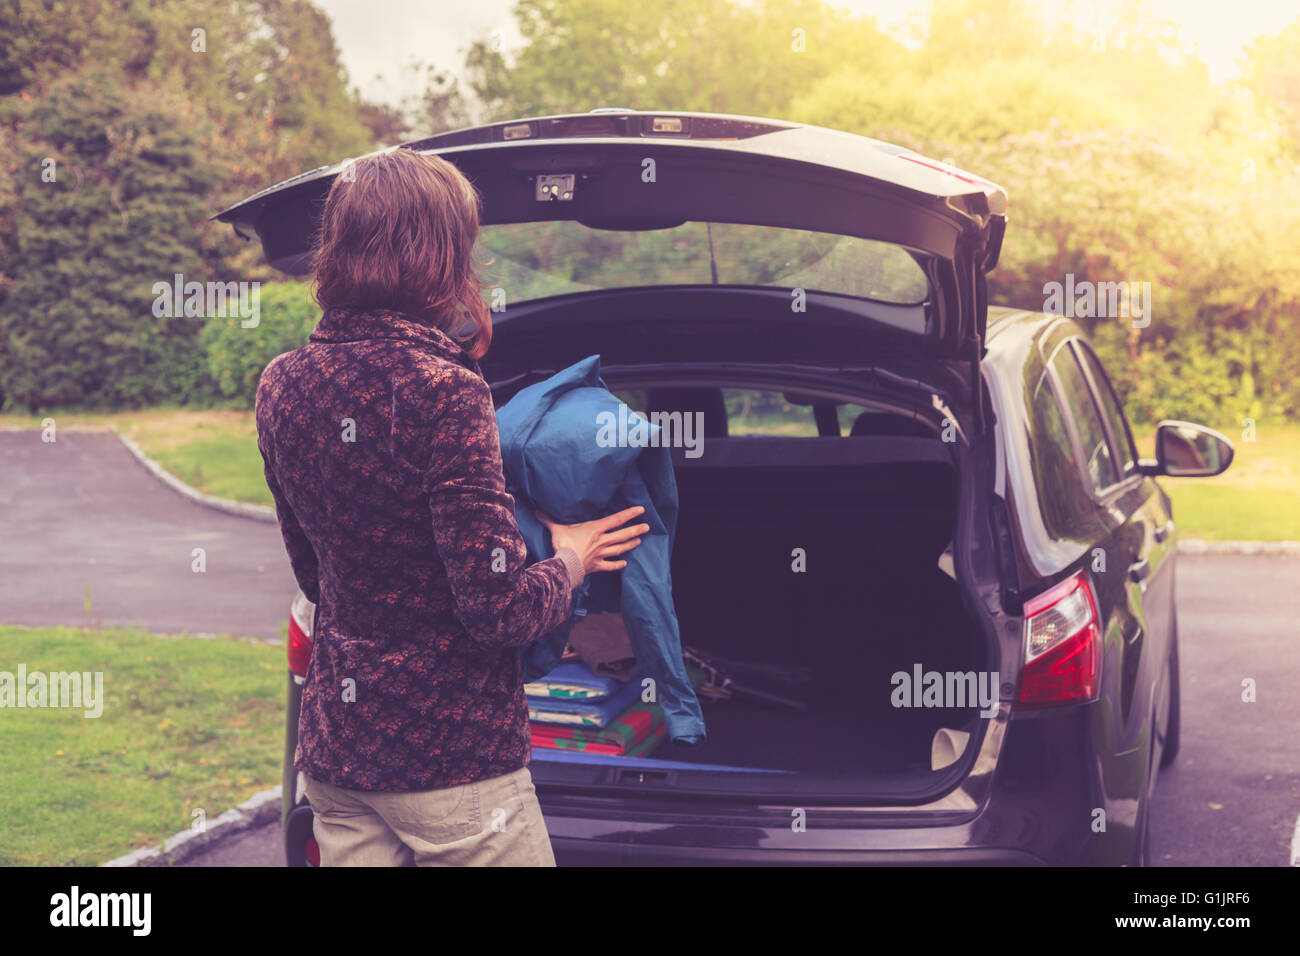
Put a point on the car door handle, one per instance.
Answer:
(1162, 532)
(1139, 571)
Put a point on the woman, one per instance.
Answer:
(381, 451)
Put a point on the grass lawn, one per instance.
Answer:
(188, 723)
(214, 451)
(1257, 499)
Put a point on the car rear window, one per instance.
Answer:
(533, 260)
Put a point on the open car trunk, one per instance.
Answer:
(821, 557)
(816, 569)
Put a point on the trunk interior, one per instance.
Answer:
(873, 516)
(870, 497)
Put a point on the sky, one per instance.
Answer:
(378, 39)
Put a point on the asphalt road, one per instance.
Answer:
(83, 513)
(1233, 796)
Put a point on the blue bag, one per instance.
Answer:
(554, 462)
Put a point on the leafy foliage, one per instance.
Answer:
(237, 355)
(1122, 160)
(154, 115)
(124, 189)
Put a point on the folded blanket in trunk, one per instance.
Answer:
(634, 733)
(573, 680)
(584, 713)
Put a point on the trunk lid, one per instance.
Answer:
(853, 234)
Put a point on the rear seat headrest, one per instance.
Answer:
(691, 400)
(882, 423)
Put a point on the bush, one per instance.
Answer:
(237, 355)
(111, 186)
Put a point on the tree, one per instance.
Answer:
(710, 55)
(1272, 72)
(169, 110)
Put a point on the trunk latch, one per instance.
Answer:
(553, 186)
(636, 775)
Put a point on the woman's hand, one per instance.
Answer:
(597, 541)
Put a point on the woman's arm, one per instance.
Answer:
(500, 602)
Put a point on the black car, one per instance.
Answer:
(916, 524)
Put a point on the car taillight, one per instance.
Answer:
(1062, 646)
(299, 643)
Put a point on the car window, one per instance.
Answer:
(756, 412)
(1097, 461)
(750, 411)
(1067, 509)
(532, 260)
(1110, 407)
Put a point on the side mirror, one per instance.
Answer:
(1185, 450)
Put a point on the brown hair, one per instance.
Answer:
(398, 232)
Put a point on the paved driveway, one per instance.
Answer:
(82, 513)
(1233, 796)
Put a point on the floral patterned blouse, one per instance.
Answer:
(381, 451)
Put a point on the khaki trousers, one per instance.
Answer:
(495, 822)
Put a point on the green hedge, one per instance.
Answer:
(237, 355)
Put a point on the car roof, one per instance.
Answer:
(1002, 317)
(1015, 336)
